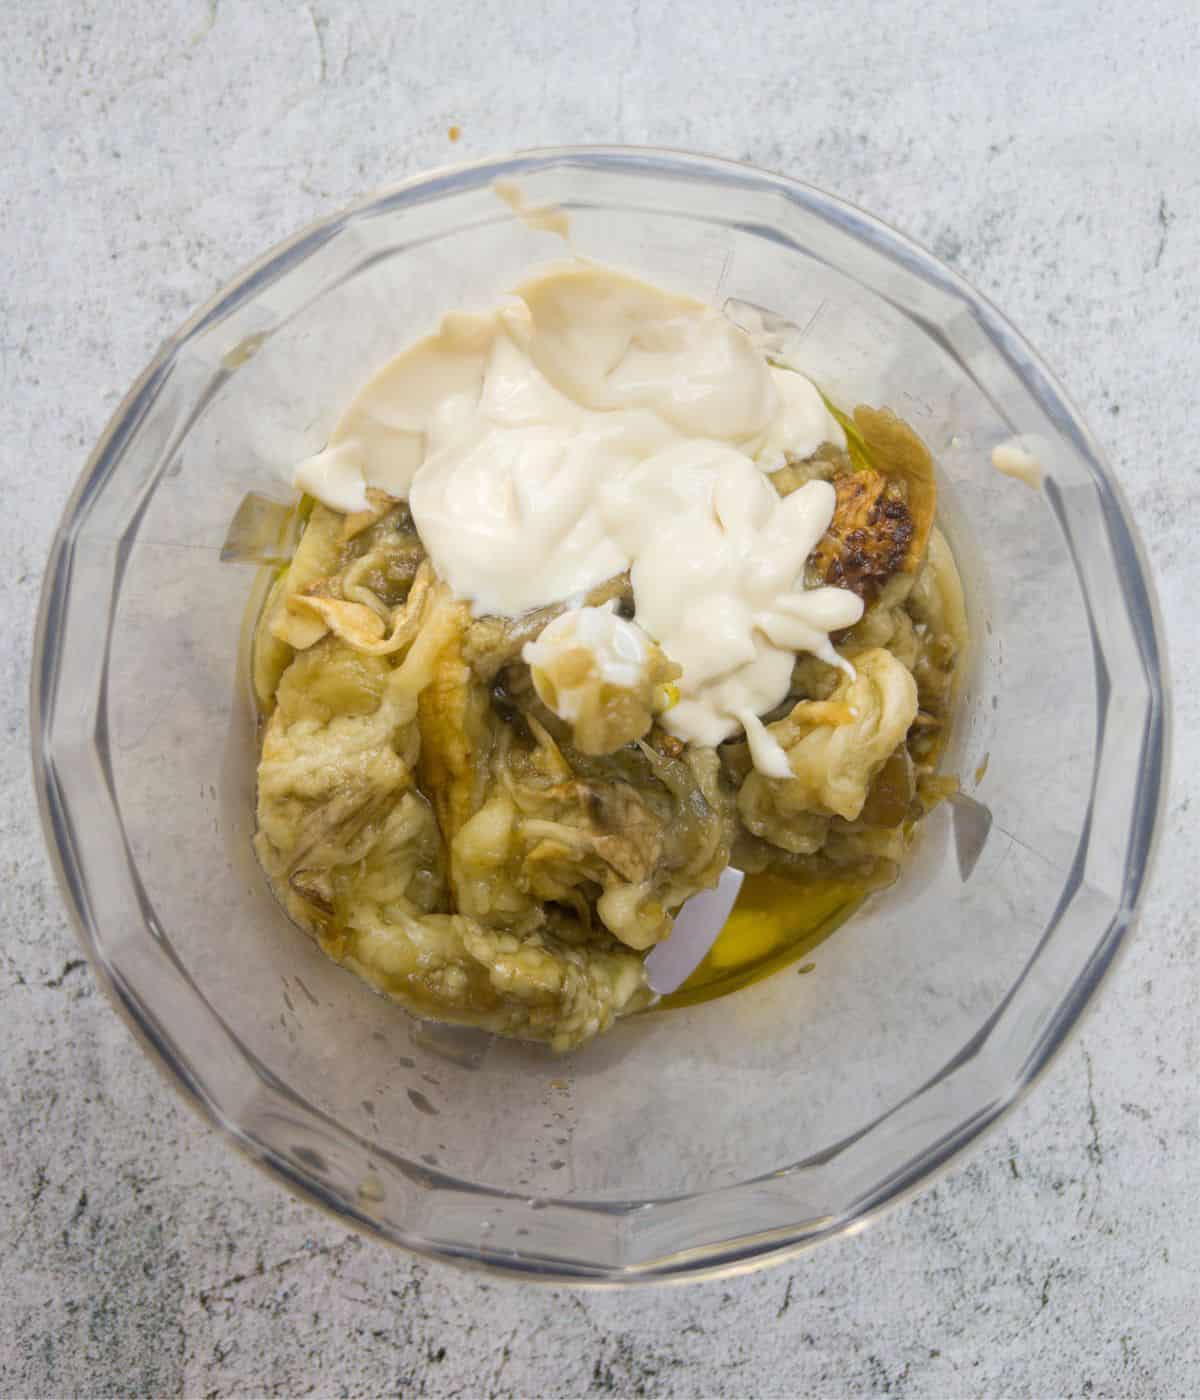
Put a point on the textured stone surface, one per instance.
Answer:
(1049, 151)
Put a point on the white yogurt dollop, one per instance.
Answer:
(1013, 458)
(591, 424)
(335, 477)
(619, 650)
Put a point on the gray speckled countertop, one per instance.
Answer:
(1050, 151)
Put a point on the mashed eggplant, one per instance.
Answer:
(448, 837)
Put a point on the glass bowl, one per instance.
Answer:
(685, 1142)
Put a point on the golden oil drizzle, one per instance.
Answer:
(775, 922)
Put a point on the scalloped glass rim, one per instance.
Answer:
(720, 1231)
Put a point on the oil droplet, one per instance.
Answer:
(237, 355)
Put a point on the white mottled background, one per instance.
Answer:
(1050, 149)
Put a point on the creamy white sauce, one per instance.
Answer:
(1014, 459)
(619, 651)
(800, 426)
(717, 558)
(335, 477)
(593, 423)
(766, 752)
